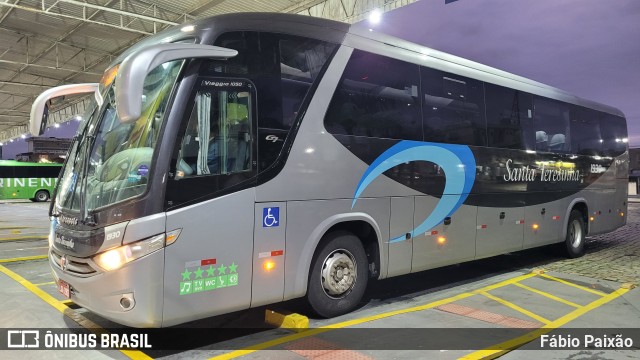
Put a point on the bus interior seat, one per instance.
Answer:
(185, 167)
(541, 140)
(557, 142)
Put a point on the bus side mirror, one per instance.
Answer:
(135, 68)
(40, 109)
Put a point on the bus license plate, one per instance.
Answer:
(63, 287)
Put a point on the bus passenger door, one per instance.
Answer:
(443, 244)
(400, 245)
(208, 268)
(211, 197)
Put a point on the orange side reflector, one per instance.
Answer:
(109, 75)
(269, 265)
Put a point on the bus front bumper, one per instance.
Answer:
(139, 283)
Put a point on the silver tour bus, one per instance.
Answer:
(247, 159)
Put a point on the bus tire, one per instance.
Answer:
(575, 238)
(42, 196)
(338, 275)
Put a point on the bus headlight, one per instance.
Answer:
(115, 258)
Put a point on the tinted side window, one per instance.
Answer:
(585, 131)
(453, 108)
(257, 60)
(614, 135)
(301, 60)
(24, 171)
(48, 171)
(283, 68)
(509, 118)
(376, 97)
(551, 125)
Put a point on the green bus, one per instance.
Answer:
(27, 180)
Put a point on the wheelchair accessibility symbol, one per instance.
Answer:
(271, 217)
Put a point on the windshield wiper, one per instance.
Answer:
(85, 217)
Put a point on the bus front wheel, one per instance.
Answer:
(575, 239)
(338, 275)
(42, 196)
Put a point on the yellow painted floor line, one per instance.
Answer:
(547, 295)
(509, 345)
(506, 282)
(45, 283)
(320, 330)
(18, 227)
(584, 288)
(515, 307)
(26, 258)
(74, 315)
(30, 237)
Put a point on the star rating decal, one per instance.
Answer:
(222, 269)
(211, 271)
(205, 279)
(186, 275)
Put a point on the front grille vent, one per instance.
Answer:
(76, 266)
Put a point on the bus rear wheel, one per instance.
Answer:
(42, 195)
(575, 239)
(338, 275)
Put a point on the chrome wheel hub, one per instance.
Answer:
(575, 233)
(339, 273)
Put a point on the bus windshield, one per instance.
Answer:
(111, 159)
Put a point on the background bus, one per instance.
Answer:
(26, 180)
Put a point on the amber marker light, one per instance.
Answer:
(621, 213)
(109, 75)
(535, 226)
(591, 218)
(269, 265)
(441, 240)
(172, 236)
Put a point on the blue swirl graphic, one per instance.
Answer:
(457, 162)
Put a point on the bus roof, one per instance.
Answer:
(205, 29)
(24, 163)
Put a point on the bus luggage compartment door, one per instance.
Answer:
(500, 229)
(443, 244)
(400, 248)
(543, 221)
